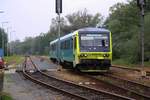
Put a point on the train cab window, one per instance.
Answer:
(103, 43)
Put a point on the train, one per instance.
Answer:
(87, 49)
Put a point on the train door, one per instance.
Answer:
(74, 51)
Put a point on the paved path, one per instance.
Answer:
(22, 89)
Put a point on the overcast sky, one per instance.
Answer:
(31, 17)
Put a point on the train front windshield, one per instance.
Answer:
(94, 42)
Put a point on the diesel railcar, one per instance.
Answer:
(86, 49)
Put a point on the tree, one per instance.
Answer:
(123, 22)
(82, 19)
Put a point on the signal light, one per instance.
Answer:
(58, 6)
(141, 3)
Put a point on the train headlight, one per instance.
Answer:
(83, 55)
(106, 55)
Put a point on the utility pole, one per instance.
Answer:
(8, 40)
(8, 28)
(10, 47)
(58, 11)
(141, 4)
(2, 32)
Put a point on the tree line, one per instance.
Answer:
(40, 44)
(123, 21)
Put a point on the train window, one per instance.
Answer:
(68, 44)
(103, 43)
(50, 47)
(61, 45)
(54, 46)
(71, 44)
(65, 45)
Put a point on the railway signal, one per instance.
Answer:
(141, 4)
(58, 6)
(58, 11)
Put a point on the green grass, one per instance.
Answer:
(5, 96)
(15, 59)
(128, 64)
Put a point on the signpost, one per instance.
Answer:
(58, 11)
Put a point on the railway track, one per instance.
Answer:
(125, 88)
(122, 86)
(135, 87)
(69, 88)
(132, 69)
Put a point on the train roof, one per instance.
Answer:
(93, 29)
(67, 36)
(63, 37)
(87, 29)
